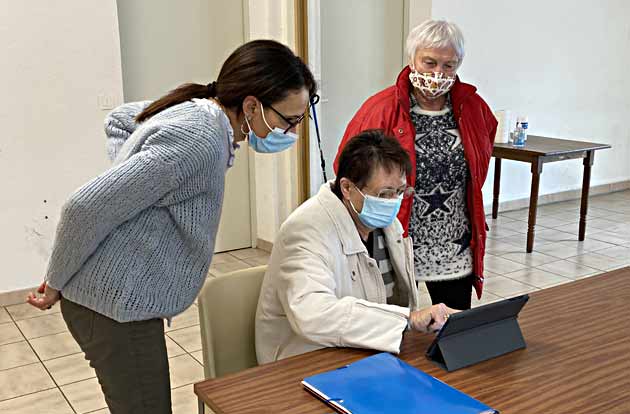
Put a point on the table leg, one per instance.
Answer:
(533, 203)
(497, 187)
(200, 406)
(586, 183)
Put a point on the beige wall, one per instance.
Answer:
(57, 58)
(416, 11)
(168, 43)
(356, 47)
(272, 177)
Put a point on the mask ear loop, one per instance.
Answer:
(350, 201)
(262, 111)
(353, 208)
(249, 128)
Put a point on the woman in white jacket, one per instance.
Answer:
(340, 273)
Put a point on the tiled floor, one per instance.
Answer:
(43, 371)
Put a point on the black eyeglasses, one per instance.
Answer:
(296, 120)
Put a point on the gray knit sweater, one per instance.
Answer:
(136, 242)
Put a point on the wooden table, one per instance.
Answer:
(538, 151)
(577, 361)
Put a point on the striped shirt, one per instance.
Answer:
(377, 250)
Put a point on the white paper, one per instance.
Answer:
(504, 117)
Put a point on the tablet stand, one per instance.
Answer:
(478, 344)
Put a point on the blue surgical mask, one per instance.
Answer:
(276, 140)
(377, 213)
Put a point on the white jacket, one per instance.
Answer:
(322, 289)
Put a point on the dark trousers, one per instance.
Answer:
(453, 293)
(130, 359)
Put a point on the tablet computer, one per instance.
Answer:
(478, 334)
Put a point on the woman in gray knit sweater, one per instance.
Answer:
(133, 245)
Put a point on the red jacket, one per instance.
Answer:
(389, 110)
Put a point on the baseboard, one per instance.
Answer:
(15, 297)
(264, 245)
(559, 197)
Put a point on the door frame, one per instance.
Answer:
(253, 221)
(414, 12)
(300, 19)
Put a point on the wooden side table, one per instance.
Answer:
(538, 151)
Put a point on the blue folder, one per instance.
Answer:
(383, 383)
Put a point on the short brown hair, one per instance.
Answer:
(364, 153)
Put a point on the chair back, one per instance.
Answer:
(227, 313)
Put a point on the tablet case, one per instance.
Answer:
(479, 334)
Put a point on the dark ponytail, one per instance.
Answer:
(181, 94)
(265, 69)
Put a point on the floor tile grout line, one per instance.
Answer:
(182, 347)
(181, 329)
(17, 327)
(14, 342)
(44, 336)
(521, 282)
(182, 386)
(34, 317)
(563, 258)
(570, 257)
(594, 271)
(21, 366)
(62, 356)
(31, 317)
(52, 377)
(30, 393)
(46, 368)
(193, 358)
(538, 266)
(186, 352)
(76, 382)
(535, 268)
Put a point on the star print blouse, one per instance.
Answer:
(439, 224)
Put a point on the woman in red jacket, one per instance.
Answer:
(448, 130)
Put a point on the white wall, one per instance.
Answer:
(57, 57)
(564, 64)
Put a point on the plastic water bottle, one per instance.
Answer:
(524, 124)
(518, 137)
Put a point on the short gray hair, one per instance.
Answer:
(435, 34)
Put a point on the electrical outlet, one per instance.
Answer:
(105, 101)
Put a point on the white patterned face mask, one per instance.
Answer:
(431, 84)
